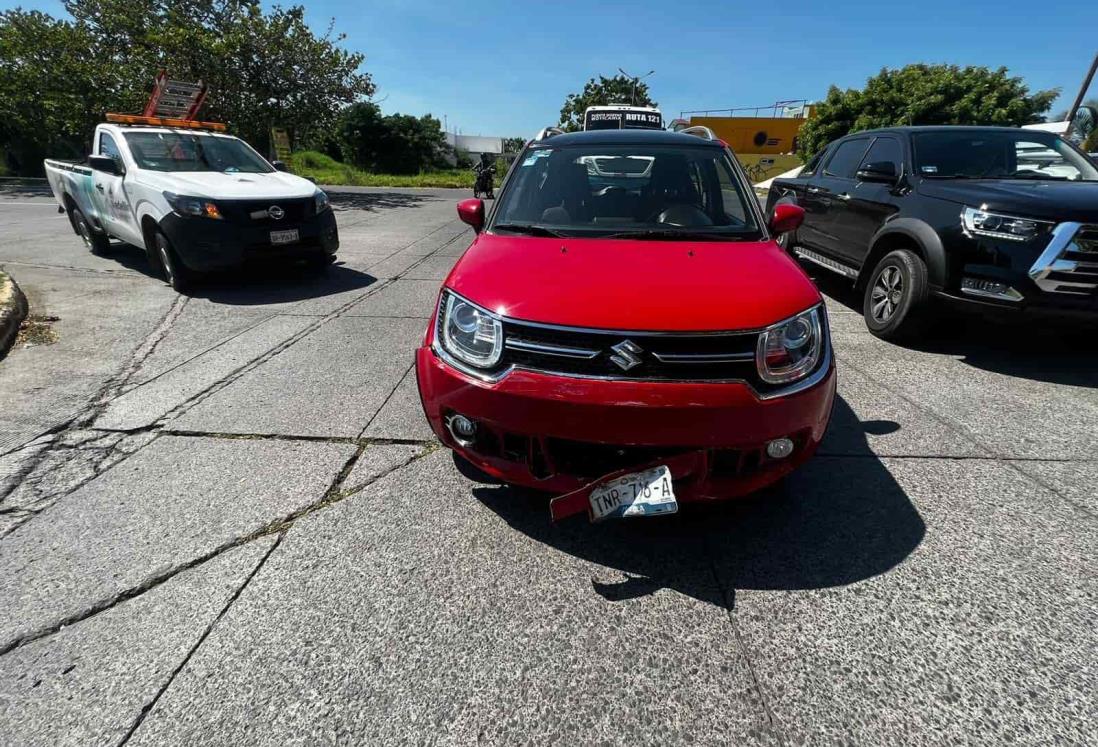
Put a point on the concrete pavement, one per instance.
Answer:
(224, 521)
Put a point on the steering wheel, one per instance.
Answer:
(681, 215)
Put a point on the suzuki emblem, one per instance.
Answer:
(275, 212)
(627, 354)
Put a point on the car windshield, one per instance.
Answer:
(627, 191)
(999, 154)
(172, 151)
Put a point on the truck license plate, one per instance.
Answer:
(284, 237)
(647, 493)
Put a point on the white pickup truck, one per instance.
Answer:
(195, 200)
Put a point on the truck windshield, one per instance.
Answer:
(635, 191)
(177, 151)
(999, 154)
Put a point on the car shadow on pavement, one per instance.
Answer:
(373, 201)
(829, 524)
(1056, 353)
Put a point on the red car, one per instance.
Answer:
(624, 331)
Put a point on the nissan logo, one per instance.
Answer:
(275, 212)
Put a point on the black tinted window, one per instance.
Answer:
(846, 159)
(885, 149)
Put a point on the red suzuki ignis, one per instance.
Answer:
(625, 332)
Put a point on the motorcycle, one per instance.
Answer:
(483, 184)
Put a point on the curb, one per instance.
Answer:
(13, 310)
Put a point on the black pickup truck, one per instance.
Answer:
(997, 218)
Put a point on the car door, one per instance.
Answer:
(808, 196)
(869, 203)
(111, 200)
(833, 188)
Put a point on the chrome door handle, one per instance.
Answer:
(813, 190)
(843, 196)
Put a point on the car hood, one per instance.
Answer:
(633, 285)
(220, 186)
(1050, 200)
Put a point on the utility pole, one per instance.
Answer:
(1079, 99)
(636, 79)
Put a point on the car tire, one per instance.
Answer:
(174, 272)
(97, 242)
(896, 295)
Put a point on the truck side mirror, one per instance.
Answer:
(107, 165)
(280, 166)
(472, 212)
(878, 171)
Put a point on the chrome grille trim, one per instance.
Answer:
(703, 357)
(1052, 261)
(546, 348)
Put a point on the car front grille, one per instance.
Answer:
(631, 355)
(257, 212)
(1070, 262)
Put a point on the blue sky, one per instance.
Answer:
(504, 68)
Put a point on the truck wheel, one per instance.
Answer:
(175, 272)
(97, 242)
(896, 296)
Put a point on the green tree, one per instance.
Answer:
(924, 95)
(513, 144)
(601, 92)
(393, 144)
(264, 68)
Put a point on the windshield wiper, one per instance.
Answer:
(527, 228)
(1035, 175)
(659, 234)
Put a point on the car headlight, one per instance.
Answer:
(999, 226)
(321, 201)
(469, 333)
(790, 350)
(192, 207)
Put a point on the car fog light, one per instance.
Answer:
(989, 289)
(779, 448)
(462, 429)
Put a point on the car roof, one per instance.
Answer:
(911, 129)
(624, 137)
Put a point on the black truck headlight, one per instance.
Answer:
(192, 207)
(789, 350)
(321, 202)
(471, 334)
(997, 225)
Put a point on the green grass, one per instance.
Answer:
(327, 170)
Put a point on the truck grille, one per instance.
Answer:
(257, 212)
(1070, 262)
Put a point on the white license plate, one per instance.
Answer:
(284, 237)
(647, 493)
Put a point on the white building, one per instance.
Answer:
(474, 145)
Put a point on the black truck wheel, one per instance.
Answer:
(98, 243)
(896, 296)
(174, 271)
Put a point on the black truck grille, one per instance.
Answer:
(258, 212)
(631, 355)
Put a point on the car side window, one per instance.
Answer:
(813, 163)
(847, 156)
(885, 149)
(107, 147)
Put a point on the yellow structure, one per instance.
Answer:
(763, 135)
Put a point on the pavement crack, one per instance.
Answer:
(147, 708)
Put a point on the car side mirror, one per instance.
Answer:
(786, 218)
(106, 164)
(878, 171)
(280, 166)
(472, 212)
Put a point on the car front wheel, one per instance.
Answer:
(175, 272)
(896, 296)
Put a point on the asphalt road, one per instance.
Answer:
(223, 520)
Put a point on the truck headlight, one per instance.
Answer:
(321, 201)
(999, 226)
(192, 207)
(471, 334)
(790, 350)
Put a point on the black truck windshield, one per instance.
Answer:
(626, 191)
(177, 151)
(999, 154)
